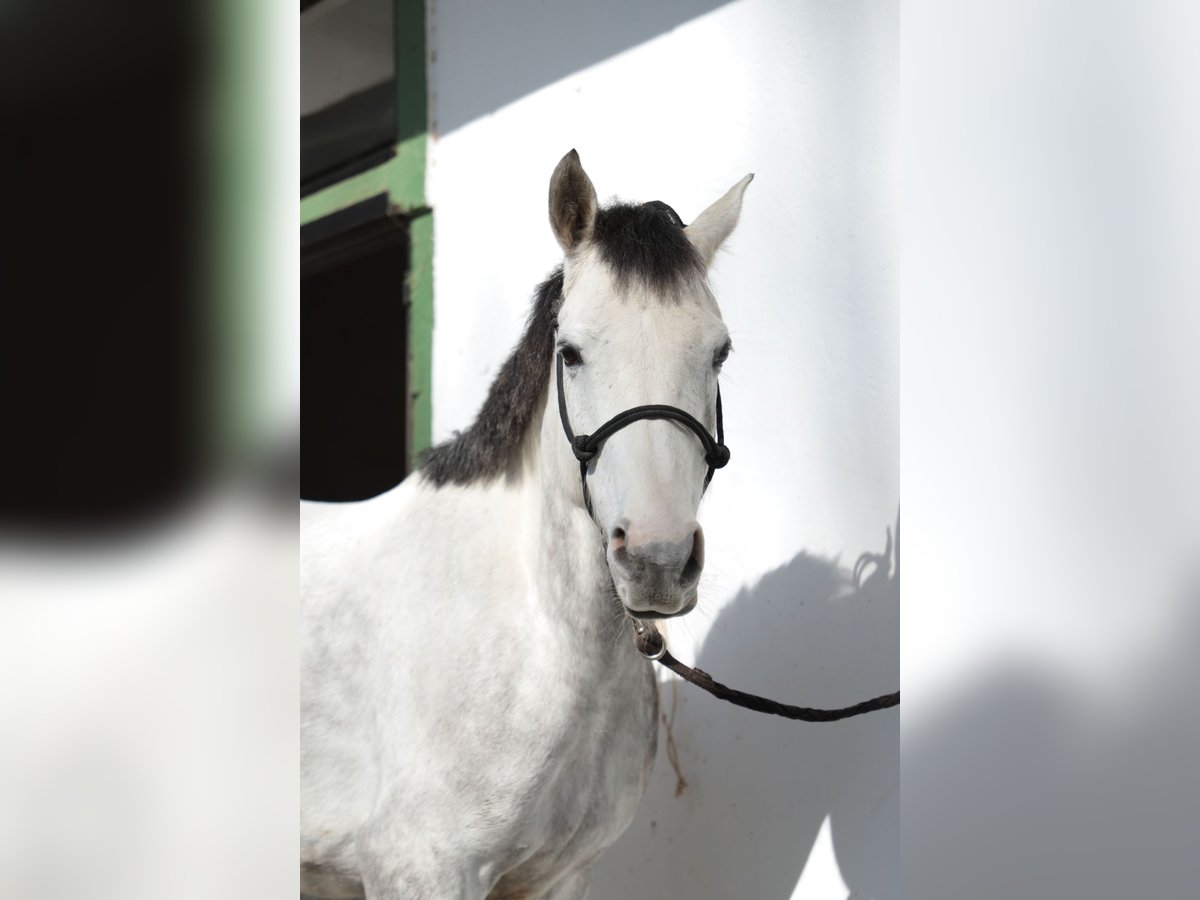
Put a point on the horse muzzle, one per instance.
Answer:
(655, 578)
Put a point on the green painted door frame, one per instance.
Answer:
(402, 180)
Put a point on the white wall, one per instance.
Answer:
(676, 102)
(1051, 385)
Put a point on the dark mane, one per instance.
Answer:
(644, 242)
(487, 448)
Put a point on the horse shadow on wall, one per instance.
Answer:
(758, 787)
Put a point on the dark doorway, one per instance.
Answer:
(106, 336)
(353, 354)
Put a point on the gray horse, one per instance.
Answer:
(476, 720)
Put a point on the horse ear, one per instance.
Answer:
(712, 226)
(572, 203)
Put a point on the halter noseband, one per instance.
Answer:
(586, 446)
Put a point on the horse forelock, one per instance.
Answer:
(646, 243)
(489, 447)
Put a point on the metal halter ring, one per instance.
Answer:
(649, 641)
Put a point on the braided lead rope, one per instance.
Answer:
(650, 644)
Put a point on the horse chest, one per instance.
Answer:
(481, 730)
(593, 760)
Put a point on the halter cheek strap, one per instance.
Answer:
(586, 446)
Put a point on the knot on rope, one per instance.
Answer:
(719, 456)
(579, 446)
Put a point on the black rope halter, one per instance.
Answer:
(586, 446)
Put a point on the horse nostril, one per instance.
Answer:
(616, 544)
(692, 568)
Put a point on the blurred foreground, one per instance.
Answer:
(149, 398)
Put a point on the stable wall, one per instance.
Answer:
(1052, 504)
(676, 102)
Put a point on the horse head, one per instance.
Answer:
(639, 331)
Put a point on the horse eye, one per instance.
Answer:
(721, 355)
(570, 356)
